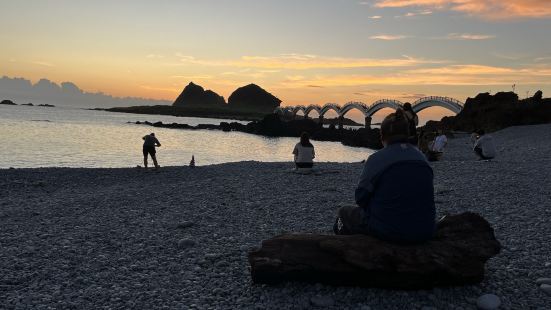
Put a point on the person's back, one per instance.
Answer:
(395, 194)
(400, 205)
(485, 147)
(150, 140)
(304, 152)
(440, 143)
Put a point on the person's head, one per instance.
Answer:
(394, 128)
(152, 134)
(407, 106)
(304, 139)
(481, 132)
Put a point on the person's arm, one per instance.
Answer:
(365, 188)
(416, 120)
(295, 151)
(143, 138)
(157, 142)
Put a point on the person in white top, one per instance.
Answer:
(304, 152)
(484, 146)
(440, 142)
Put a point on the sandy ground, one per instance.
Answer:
(178, 238)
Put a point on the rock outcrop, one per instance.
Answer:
(194, 95)
(7, 102)
(495, 112)
(456, 256)
(253, 97)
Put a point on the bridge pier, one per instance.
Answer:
(368, 122)
(341, 122)
(320, 120)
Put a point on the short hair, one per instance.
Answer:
(152, 134)
(407, 106)
(304, 138)
(395, 126)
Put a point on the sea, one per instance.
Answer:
(34, 136)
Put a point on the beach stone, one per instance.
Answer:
(184, 225)
(546, 288)
(185, 243)
(456, 256)
(543, 281)
(488, 302)
(322, 301)
(548, 264)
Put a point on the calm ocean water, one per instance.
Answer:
(66, 137)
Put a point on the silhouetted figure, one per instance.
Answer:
(149, 144)
(484, 146)
(413, 121)
(304, 152)
(395, 194)
(437, 146)
(192, 162)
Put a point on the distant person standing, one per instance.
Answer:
(484, 146)
(304, 152)
(149, 144)
(413, 121)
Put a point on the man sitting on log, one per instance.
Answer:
(395, 195)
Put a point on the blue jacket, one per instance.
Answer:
(396, 191)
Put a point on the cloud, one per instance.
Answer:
(469, 36)
(453, 75)
(388, 37)
(375, 17)
(412, 14)
(42, 63)
(304, 62)
(486, 9)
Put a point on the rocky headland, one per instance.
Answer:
(250, 102)
(495, 112)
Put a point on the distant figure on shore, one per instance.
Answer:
(484, 146)
(395, 194)
(413, 121)
(149, 144)
(437, 146)
(304, 152)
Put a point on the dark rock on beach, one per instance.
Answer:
(495, 112)
(7, 102)
(456, 256)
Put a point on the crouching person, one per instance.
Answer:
(395, 195)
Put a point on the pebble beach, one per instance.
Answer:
(127, 238)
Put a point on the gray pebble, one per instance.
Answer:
(543, 281)
(322, 301)
(488, 302)
(185, 243)
(546, 288)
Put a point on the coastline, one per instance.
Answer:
(125, 237)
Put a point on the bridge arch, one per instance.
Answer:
(330, 106)
(446, 102)
(360, 106)
(311, 108)
(383, 103)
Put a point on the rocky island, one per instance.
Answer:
(249, 102)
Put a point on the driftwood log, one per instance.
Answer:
(456, 256)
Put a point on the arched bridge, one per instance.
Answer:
(368, 110)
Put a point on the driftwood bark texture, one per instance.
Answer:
(456, 256)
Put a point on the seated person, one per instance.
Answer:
(436, 147)
(484, 146)
(304, 152)
(395, 194)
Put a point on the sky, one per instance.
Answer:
(303, 51)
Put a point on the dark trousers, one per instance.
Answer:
(304, 165)
(350, 221)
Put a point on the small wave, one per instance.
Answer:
(41, 120)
